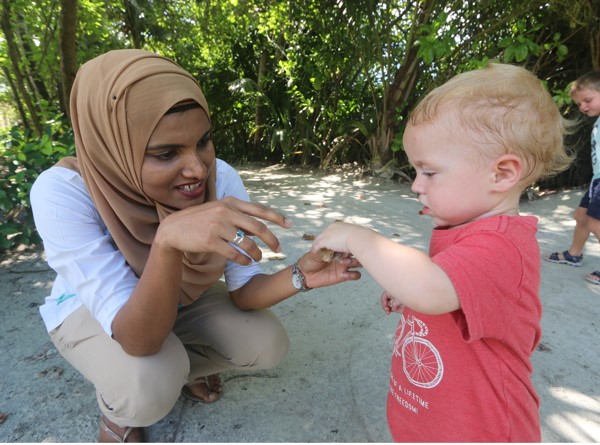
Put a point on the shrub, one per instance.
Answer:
(23, 157)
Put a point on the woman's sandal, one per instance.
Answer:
(126, 434)
(565, 258)
(213, 386)
(593, 277)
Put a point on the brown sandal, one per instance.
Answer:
(128, 434)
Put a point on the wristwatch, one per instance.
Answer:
(298, 279)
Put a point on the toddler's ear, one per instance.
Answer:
(507, 170)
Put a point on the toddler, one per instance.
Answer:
(585, 92)
(470, 310)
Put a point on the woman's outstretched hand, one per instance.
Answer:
(320, 273)
(213, 226)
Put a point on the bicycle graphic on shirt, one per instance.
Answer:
(421, 361)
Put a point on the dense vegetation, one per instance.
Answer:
(311, 83)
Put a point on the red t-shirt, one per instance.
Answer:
(466, 376)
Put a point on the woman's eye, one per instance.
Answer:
(428, 174)
(202, 143)
(165, 155)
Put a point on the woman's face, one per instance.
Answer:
(178, 159)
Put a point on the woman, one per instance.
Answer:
(140, 227)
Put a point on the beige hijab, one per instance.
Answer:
(116, 102)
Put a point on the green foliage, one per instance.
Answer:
(436, 39)
(22, 158)
(316, 82)
(562, 97)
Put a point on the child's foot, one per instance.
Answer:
(565, 258)
(593, 277)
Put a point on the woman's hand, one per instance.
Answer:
(320, 273)
(211, 227)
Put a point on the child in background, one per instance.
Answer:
(585, 92)
(470, 311)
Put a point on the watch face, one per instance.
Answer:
(296, 281)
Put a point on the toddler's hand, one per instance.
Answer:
(386, 302)
(390, 304)
(333, 238)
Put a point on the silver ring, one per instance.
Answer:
(239, 237)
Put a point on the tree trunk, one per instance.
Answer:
(132, 22)
(29, 67)
(17, 98)
(399, 91)
(259, 116)
(68, 48)
(13, 54)
(595, 46)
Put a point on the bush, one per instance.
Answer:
(23, 157)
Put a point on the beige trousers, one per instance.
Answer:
(210, 335)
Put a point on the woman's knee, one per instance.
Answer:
(264, 345)
(148, 389)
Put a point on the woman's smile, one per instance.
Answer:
(179, 158)
(193, 191)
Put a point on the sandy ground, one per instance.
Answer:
(332, 385)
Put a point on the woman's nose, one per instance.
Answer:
(193, 165)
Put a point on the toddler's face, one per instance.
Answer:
(588, 101)
(453, 182)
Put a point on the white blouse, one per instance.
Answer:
(90, 268)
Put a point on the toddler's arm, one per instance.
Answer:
(405, 273)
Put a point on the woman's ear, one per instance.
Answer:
(507, 172)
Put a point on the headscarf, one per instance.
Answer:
(116, 102)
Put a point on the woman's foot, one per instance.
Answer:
(206, 390)
(112, 433)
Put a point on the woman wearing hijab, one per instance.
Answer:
(139, 227)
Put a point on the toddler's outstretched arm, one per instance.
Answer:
(405, 273)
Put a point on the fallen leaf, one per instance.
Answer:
(272, 256)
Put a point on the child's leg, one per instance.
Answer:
(581, 232)
(593, 221)
(594, 226)
(573, 256)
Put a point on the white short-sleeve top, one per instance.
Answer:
(90, 268)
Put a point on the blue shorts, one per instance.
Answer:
(591, 200)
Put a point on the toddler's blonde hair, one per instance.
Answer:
(588, 81)
(509, 110)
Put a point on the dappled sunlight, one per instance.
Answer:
(312, 201)
(361, 221)
(574, 427)
(563, 373)
(576, 398)
(42, 284)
